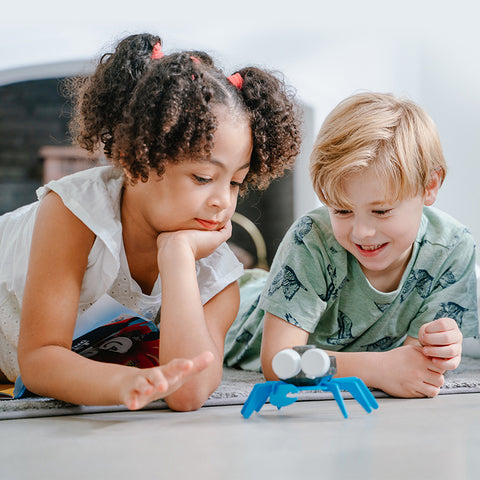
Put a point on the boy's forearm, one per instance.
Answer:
(364, 365)
(401, 372)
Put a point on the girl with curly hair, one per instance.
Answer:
(183, 140)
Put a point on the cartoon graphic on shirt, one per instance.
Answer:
(287, 281)
(383, 307)
(419, 280)
(344, 336)
(332, 291)
(244, 337)
(385, 343)
(252, 308)
(303, 228)
(447, 278)
(452, 310)
(291, 319)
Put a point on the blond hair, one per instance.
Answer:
(394, 136)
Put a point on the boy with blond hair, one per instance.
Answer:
(377, 277)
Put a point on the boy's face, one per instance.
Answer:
(377, 232)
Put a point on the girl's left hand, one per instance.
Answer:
(201, 242)
(441, 340)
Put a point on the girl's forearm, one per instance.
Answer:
(54, 371)
(184, 329)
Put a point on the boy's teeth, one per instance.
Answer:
(370, 247)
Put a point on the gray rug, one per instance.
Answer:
(234, 390)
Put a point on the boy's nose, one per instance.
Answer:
(363, 229)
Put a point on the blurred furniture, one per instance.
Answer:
(61, 161)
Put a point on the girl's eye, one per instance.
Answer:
(201, 180)
(236, 184)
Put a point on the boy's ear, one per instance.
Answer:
(432, 189)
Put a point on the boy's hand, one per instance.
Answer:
(441, 340)
(406, 372)
(141, 386)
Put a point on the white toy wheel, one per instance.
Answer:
(286, 363)
(315, 363)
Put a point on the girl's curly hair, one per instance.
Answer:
(147, 113)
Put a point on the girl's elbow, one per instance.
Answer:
(26, 365)
(184, 400)
(192, 396)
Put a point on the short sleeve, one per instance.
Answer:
(453, 293)
(217, 271)
(296, 289)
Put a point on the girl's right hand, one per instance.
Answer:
(138, 387)
(202, 243)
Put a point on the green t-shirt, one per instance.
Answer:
(315, 284)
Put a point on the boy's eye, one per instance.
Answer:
(340, 211)
(382, 212)
(201, 180)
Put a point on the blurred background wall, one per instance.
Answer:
(425, 50)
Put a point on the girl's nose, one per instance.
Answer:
(222, 198)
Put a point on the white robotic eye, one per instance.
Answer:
(286, 364)
(315, 363)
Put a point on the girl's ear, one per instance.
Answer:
(432, 189)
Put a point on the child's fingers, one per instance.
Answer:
(447, 363)
(227, 230)
(140, 392)
(443, 331)
(154, 383)
(202, 361)
(445, 351)
(441, 325)
(442, 338)
(156, 379)
(180, 368)
(430, 385)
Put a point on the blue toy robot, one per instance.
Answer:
(306, 368)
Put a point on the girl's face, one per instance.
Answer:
(199, 195)
(377, 232)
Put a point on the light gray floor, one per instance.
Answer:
(404, 439)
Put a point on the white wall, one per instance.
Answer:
(426, 50)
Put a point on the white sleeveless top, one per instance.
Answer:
(94, 197)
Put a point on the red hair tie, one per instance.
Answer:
(236, 80)
(157, 51)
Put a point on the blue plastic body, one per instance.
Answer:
(282, 393)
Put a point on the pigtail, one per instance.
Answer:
(169, 116)
(275, 122)
(102, 97)
(148, 110)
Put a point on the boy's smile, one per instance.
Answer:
(377, 231)
(371, 250)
